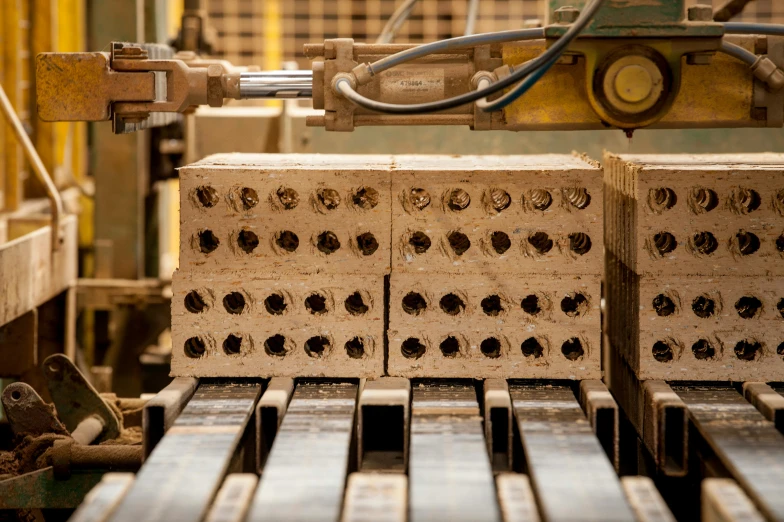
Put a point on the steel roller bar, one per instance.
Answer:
(276, 84)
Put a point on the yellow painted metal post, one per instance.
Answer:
(45, 137)
(15, 54)
(3, 38)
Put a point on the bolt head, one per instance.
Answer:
(700, 13)
(566, 15)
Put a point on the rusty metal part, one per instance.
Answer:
(102, 500)
(269, 414)
(381, 497)
(310, 457)
(40, 488)
(76, 400)
(55, 200)
(445, 423)
(602, 412)
(571, 475)
(729, 10)
(27, 413)
(233, 499)
(382, 425)
(108, 294)
(161, 412)
(498, 423)
(516, 498)
(724, 501)
(743, 441)
(768, 401)
(182, 475)
(66, 455)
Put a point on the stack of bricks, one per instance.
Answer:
(417, 266)
(282, 266)
(694, 264)
(496, 267)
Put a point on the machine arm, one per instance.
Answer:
(668, 72)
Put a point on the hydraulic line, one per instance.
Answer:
(753, 28)
(471, 16)
(519, 89)
(396, 21)
(739, 52)
(345, 88)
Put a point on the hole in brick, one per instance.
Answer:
(780, 307)
(420, 242)
(706, 199)
(275, 345)
(234, 302)
(365, 197)
(316, 304)
(572, 349)
(780, 349)
(355, 348)
(275, 304)
(662, 351)
(330, 198)
(574, 305)
(207, 196)
(748, 242)
(327, 242)
(748, 306)
(419, 198)
(490, 347)
(317, 346)
(414, 303)
(491, 305)
(703, 306)
(703, 349)
(247, 241)
(288, 197)
(499, 199)
(412, 348)
(705, 243)
(451, 304)
(747, 349)
(541, 199)
(579, 243)
(500, 242)
(355, 305)
(232, 344)
(664, 243)
(578, 197)
(194, 302)
(459, 242)
(663, 305)
(541, 242)
(458, 200)
(662, 198)
(780, 197)
(531, 347)
(530, 304)
(249, 198)
(208, 241)
(450, 346)
(367, 243)
(748, 200)
(287, 240)
(195, 347)
(780, 243)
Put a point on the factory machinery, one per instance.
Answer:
(552, 337)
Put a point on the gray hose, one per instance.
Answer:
(753, 28)
(739, 52)
(471, 16)
(395, 21)
(453, 43)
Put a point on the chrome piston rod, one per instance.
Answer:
(276, 84)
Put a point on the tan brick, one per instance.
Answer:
(481, 213)
(340, 222)
(702, 214)
(211, 310)
(452, 326)
(689, 327)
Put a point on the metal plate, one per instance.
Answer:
(571, 475)
(180, 478)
